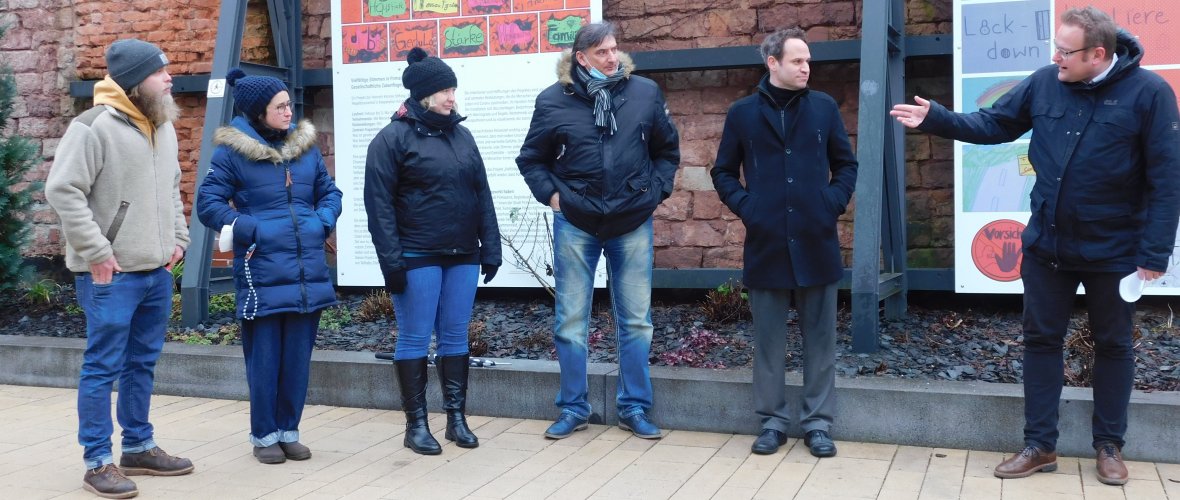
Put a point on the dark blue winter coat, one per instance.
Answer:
(284, 203)
(608, 185)
(800, 173)
(1107, 159)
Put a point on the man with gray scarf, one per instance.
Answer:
(602, 153)
(115, 184)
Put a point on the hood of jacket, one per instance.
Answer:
(1130, 53)
(565, 67)
(241, 137)
(109, 93)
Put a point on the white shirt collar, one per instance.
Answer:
(1114, 58)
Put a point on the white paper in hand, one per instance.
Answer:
(225, 241)
(1131, 287)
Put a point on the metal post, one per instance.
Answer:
(194, 287)
(880, 184)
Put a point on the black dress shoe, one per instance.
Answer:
(820, 443)
(768, 442)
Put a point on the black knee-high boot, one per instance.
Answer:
(452, 374)
(411, 377)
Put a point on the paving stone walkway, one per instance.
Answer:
(358, 454)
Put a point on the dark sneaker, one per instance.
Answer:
(820, 444)
(565, 425)
(272, 454)
(154, 462)
(640, 426)
(1029, 461)
(768, 442)
(295, 451)
(1111, 469)
(109, 482)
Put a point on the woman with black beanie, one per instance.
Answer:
(434, 229)
(285, 204)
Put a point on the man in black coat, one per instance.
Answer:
(602, 153)
(800, 172)
(1106, 151)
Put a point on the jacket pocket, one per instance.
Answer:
(1116, 125)
(1106, 232)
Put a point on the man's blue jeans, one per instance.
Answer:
(437, 299)
(628, 262)
(125, 325)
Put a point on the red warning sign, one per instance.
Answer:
(995, 250)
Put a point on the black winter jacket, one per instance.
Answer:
(608, 185)
(800, 173)
(1107, 160)
(426, 191)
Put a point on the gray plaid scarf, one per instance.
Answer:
(600, 89)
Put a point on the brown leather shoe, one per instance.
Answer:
(1111, 469)
(1029, 461)
(154, 462)
(109, 482)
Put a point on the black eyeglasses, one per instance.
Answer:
(283, 108)
(1066, 53)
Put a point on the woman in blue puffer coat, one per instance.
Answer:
(285, 204)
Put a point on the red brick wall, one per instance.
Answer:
(53, 42)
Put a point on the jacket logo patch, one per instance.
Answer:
(1111, 102)
(1175, 125)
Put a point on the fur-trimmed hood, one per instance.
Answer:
(241, 137)
(565, 67)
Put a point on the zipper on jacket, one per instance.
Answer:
(298, 241)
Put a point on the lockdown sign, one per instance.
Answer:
(998, 43)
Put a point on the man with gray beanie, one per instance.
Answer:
(115, 184)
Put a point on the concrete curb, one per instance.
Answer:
(965, 415)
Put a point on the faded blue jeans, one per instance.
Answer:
(437, 299)
(628, 262)
(125, 325)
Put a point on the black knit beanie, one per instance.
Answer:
(426, 75)
(253, 93)
(130, 61)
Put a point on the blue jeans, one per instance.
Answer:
(125, 325)
(628, 262)
(1049, 296)
(277, 350)
(437, 299)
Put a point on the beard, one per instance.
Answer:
(160, 108)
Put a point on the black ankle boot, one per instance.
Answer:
(411, 377)
(452, 374)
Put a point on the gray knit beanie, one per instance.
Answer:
(130, 61)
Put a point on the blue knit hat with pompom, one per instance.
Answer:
(426, 75)
(253, 93)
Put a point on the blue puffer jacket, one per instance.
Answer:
(285, 204)
(1107, 159)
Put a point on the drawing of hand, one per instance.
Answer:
(1007, 260)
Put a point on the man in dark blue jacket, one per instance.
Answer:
(602, 153)
(1106, 151)
(799, 176)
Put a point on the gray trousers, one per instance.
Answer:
(817, 322)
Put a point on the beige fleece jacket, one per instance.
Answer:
(107, 165)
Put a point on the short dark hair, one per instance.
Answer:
(592, 35)
(772, 46)
(1099, 28)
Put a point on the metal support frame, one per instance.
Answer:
(286, 27)
(879, 246)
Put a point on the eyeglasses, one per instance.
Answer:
(284, 107)
(1066, 53)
